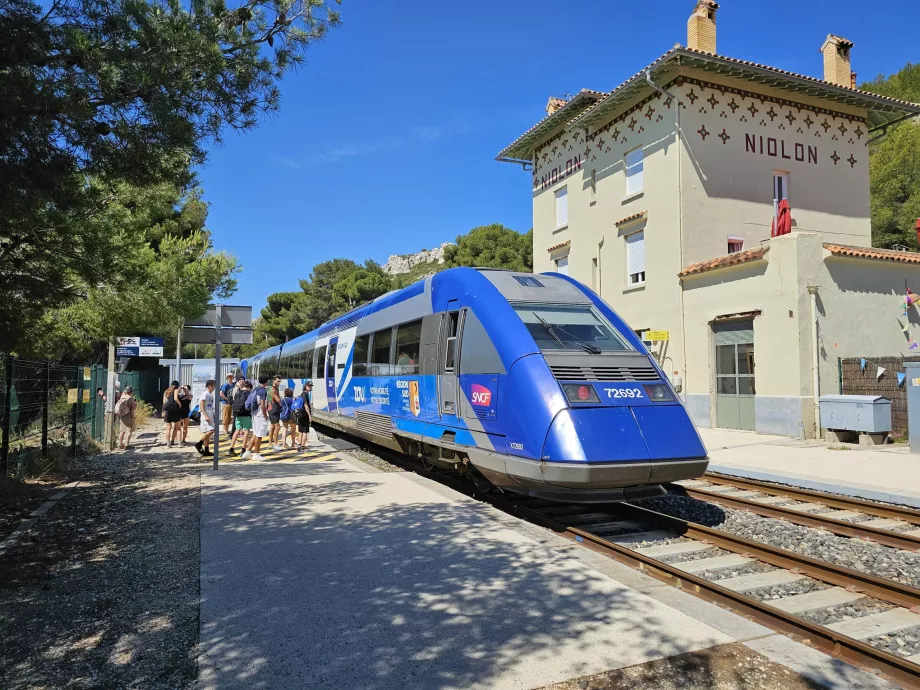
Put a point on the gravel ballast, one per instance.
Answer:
(876, 559)
(358, 453)
(103, 591)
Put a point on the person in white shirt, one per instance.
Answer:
(206, 409)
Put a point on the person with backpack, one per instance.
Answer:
(172, 412)
(185, 401)
(226, 410)
(288, 424)
(274, 413)
(242, 417)
(208, 422)
(257, 405)
(124, 410)
(302, 410)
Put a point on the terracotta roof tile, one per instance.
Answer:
(722, 261)
(556, 247)
(629, 219)
(873, 253)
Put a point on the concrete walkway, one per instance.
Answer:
(326, 575)
(884, 473)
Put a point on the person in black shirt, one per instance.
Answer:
(303, 423)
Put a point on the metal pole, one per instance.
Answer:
(217, 380)
(840, 375)
(179, 355)
(7, 416)
(73, 417)
(110, 398)
(45, 409)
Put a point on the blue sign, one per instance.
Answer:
(138, 347)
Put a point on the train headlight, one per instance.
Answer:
(659, 392)
(580, 393)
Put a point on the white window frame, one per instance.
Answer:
(635, 171)
(562, 265)
(635, 278)
(562, 193)
(780, 189)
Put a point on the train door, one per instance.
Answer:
(319, 377)
(330, 375)
(449, 363)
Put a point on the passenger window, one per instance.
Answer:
(408, 339)
(308, 365)
(450, 348)
(380, 356)
(359, 362)
(319, 361)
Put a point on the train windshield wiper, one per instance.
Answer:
(551, 329)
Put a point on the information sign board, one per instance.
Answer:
(139, 347)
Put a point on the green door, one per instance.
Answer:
(735, 374)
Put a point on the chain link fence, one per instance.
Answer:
(50, 413)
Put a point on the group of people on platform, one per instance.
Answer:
(250, 412)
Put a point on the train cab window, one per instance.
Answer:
(319, 362)
(450, 344)
(408, 339)
(577, 327)
(359, 361)
(380, 353)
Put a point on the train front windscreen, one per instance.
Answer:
(571, 327)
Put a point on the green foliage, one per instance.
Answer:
(894, 166)
(163, 269)
(492, 246)
(894, 186)
(98, 94)
(418, 272)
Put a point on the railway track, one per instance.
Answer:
(852, 517)
(703, 560)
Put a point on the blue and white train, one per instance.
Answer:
(525, 382)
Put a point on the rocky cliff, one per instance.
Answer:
(404, 263)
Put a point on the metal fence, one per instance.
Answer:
(854, 380)
(51, 412)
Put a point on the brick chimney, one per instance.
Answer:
(701, 27)
(837, 61)
(553, 104)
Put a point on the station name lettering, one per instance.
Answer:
(560, 172)
(777, 148)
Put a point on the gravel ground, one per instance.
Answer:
(359, 453)
(883, 561)
(788, 590)
(858, 609)
(726, 667)
(724, 573)
(103, 591)
(905, 643)
(19, 498)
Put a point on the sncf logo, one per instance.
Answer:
(482, 396)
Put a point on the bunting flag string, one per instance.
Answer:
(901, 377)
(879, 372)
(862, 364)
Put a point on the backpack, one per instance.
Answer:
(121, 408)
(285, 409)
(297, 408)
(169, 405)
(238, 403)
(252, 402)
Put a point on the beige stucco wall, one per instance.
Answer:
(727, 170)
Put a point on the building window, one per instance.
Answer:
(593, 190)
(562, 207)
(634, 171)
(562, 265)
(780, 190)
(635, 258)
(735, 244)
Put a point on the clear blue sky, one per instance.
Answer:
(386, 139)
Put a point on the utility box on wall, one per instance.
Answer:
(870, 414)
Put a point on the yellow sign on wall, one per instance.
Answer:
(86, 395)
(87, 375)
(71, 396)
(659, 336)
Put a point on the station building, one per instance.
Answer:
(661, 195)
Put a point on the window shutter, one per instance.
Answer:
(635, 252)
(562, 207)
(562, 265)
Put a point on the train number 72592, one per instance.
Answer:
(624, 392)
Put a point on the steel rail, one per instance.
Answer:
(839, 646)
(898, 540)
(834, 501)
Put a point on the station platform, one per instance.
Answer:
(328, 573)
(887, 473)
